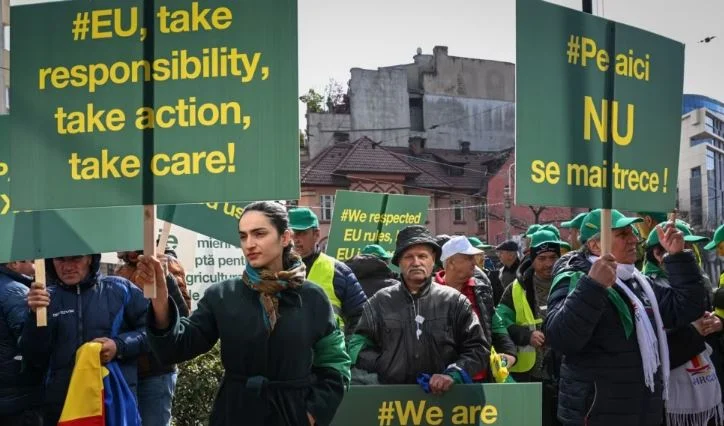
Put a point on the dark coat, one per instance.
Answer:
(76, 315)
(451, 334)
(372, 272)
(231, 312)
(508, 275)
(601, 378)
(19, 388)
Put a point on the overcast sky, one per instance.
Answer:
(336, 35)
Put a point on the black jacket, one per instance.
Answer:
(20, 388)
(601, 378)
(451, 334)
(486, 305)
(508, 275)
(372, 272)
(491, 277)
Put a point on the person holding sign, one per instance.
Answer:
(283, 354)
(608, 321)
(82, 305)
(419, 331)
(336, 278)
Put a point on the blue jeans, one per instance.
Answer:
(155, 396)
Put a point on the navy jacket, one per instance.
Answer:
(347, 289)
(601, 378)
(78, 314)
(19, 388)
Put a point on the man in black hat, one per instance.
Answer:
(508, 255)
(418, 331)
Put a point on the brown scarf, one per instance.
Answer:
(269, 284)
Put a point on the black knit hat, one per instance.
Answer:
(413, 235)
(509, 245)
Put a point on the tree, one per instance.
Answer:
(333, 95)
(537, 212)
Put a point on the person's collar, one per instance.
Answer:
(422, 291)
(440, 277)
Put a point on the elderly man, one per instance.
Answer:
(20, 391)
(83, 306)
(608, 321)
(336, 279)
(418, 331)
(458, 257)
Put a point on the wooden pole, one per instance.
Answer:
(41, 314)
(605, 231)
(163, 238)
(149, 243)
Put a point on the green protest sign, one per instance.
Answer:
(182, 104)
(488, 404)
(598, 111)
(362, 218)
(42, 234)
(216, 220)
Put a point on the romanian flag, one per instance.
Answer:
(98, 395)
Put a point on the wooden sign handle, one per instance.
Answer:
(41, 314)
(605, 231)
(149, 243)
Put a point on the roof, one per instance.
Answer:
(430, 169)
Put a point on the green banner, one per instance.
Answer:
(42, 234)
(362, 218)
(186, 103)
(598, 111)
(216, 220)
(487, 404)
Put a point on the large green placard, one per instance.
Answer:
(598, 111)
(362, 218)
(117, 105)
(42, 234)
(488, 404)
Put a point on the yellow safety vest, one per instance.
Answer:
(523, 316)
(717, 311)
(322, 274)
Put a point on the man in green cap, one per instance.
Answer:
(687, 342)
(717, 243)
(523, 309)
(337, 279)
(572, 226)
(371, 267)
(649, 220)
(608, 321)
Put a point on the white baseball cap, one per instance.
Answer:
(458, 245)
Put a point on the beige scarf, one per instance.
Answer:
(269, 284)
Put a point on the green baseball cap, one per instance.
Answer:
(544, 236)
(302, 218)
(591, 224)
(532, 229)
(682, 226)
(574, 223)
(551, 228)
(475, 242)
(657, 216)
(718, 238)
(376, 250)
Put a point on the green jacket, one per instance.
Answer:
(270, 379)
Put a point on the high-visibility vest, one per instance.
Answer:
(523, 316)
(322, 274)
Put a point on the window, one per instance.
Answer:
(416, 118)
(694, 142)
(455, 171)
(458, 210)
(6, 37)
(340, 137)
(696, 200)
(327, 205)
(709, 123)
(7, 98)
